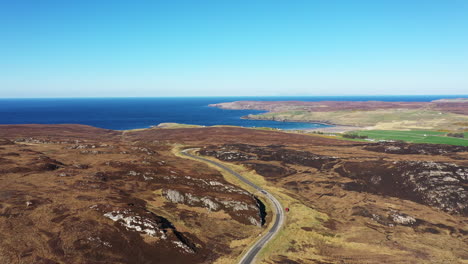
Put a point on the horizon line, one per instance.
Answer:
(234, 96)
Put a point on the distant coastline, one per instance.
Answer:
(441, 114)
(259, 117)
(138, 113)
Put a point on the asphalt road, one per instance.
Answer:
(249, 256)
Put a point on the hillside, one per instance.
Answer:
(440, 114)
(78, 194)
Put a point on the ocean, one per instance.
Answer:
(131, 113)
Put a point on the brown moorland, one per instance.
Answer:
(78, 194)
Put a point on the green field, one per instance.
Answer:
(414, 136)
(382, 119)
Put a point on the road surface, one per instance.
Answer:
(250, 255)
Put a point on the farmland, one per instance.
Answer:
(414, 136)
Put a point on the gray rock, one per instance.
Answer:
(174, 196)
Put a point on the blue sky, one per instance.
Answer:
(244, 47)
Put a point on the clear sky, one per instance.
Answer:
(96, 48)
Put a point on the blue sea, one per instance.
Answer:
(131, 113)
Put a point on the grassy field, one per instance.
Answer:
(388, 119)
(415, 136)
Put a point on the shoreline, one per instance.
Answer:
(330, 127)
(294, 121)
(443, 114)
(171, 125)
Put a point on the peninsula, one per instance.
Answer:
(446, 114)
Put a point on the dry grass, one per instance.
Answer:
(378, 119)
(306, 237)
(292, 234)
(239, 246)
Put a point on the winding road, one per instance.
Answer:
(250, 255)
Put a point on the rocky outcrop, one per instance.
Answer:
(242, 152)
(228, 155)
(175, 196)
(442, 185)
(438, 184)
(251, 212)
(269, 170)
(388, 218)
(402, 219)
(147, 223)
(420, 149)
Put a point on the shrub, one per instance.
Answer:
(457, 135)
(354, 136)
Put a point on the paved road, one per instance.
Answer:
(250, 255)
